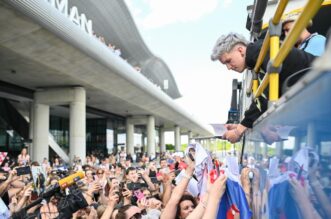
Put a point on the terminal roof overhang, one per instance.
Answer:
(50, 51)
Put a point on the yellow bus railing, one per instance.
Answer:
(277, 56)
(262, 54)
(301, 23)
(266, 43)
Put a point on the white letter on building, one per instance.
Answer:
(61, 5)
(74, 16)
(86, 25)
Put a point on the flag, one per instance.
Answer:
(3, 155)
(233, 200)
(281, 203)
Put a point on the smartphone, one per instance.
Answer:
(23, 170)
(139, 194)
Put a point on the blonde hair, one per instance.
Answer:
(226, 43)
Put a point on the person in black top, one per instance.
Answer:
(234, 51)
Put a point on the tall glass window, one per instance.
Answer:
(59, 128)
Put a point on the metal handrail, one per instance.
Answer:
(308, 12)
(300, 24)
(266, 43)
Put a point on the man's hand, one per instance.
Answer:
(230, 126)
(233, 135)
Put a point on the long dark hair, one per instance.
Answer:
(108, 186)
(121, 212)
(185, 197)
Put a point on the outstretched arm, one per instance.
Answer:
(170, 209)
(216, 192)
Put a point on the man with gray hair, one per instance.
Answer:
(234, 51)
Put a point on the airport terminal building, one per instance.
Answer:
(75, 74)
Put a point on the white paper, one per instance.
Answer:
(219, 129)
(284, 131)
(232, 163)
(273, 167)
(302, 159)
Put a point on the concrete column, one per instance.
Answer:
(30, 149)
(151, 136)
(190, 136)
(177, 138)
(40, 132)
(162, 140)
(129, 137)
(77, 124)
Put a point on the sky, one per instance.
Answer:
(183, 33)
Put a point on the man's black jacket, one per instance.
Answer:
(295, 61)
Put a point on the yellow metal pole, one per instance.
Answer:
(279, 11)
(255, 86)
(263, 52)
(262, 86)
(300, 24)
(266, 43)
(274, 76)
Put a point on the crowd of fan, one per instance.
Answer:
(113, 187)
(116, 187)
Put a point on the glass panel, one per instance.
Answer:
(289, 154)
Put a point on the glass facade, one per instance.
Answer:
(59, 128)
(10, 140)
(101, 133)
(13, 128)
(96, 135)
